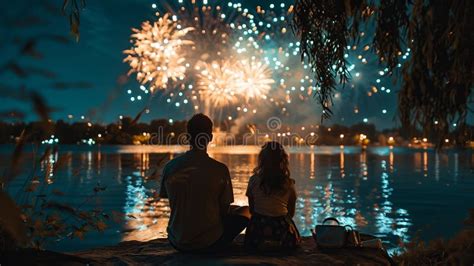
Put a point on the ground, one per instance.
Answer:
(159, 252)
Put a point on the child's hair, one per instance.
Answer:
(273, 168)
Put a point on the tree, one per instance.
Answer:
(437, 80)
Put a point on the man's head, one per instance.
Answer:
(200, 131)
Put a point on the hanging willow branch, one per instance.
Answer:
(437, 82)
(323, 27)
(72, 9)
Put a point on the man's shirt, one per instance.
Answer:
(199, 191)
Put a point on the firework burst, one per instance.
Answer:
(226, 82)
(157, 55)
(254, 79)
(217, 85)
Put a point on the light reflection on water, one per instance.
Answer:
(391, 193)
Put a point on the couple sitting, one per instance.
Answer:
(200, 194)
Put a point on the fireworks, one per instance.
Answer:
(253, 79)
(157, 55)
(225, 59)
(268, 33)
(211, 36)
(217, 85)
(223, 83)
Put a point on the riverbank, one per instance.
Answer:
(7, 149)
(456, 251)
(159, 252)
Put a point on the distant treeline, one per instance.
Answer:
(162, 131)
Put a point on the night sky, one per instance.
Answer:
(97, 59)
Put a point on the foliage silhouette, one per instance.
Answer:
(437, 80)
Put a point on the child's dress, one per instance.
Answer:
(270, 226)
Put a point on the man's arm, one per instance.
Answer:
(249, 195)
(251, 205)
(227, 195)
(163, 193)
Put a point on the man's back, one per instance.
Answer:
(198, 188)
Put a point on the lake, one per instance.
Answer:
(396, 194)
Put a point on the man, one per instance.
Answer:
(200, 193)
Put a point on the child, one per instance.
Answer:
(272, 198)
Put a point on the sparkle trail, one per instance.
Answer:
(232, 59)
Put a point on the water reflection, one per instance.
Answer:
(437, 166)
(146, 217)
(425, 163)
(89, 172)
(389, 219)
(47, 166)
(456, 167)
(312, 166)
(391, 160)
(374, 191)
(143, 162)
(363, 164)
(341, 163)
(119, 168)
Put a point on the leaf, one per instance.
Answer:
(53, 219)
(99, 188)
(11, 219)
(45, 73)
(74, 24)
(84, 215)
(29, 49)
(139, 115)
(38, 225)
(16, 157)
(17, 69)
(46, 154)
(101, 226)
(40, 107)
(79, 234)
(61, 161)
(72, 85)
(76, 6)
(470, 219)
(60, 207)
(63, 9)
(76, 172)
(58, 192)
(32, 187)
(131, 216)
(117, 217)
